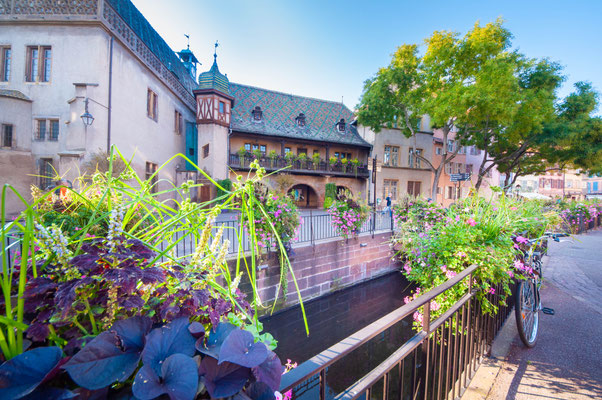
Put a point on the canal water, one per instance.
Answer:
(334, 317)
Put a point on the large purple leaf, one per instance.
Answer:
(20, 375)
(223, 380)
(132, 332)
(102, 362)
(179, 379)
(141, 250)
(270, 371)
(169, 339)
(45, 393)
(240, 348)
(212, 345)
(196, 329)
(260, 391)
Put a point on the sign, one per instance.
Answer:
(460, 177)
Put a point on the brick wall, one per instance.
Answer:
(327, 267)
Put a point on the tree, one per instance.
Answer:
(462, 83)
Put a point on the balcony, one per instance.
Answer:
(307, 167)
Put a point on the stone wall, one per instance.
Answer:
(327, 267)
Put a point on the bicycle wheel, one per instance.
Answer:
(526, 310)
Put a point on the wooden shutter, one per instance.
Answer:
(191, 145)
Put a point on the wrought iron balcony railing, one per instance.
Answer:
(308, 166)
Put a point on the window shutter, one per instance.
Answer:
(191, 145)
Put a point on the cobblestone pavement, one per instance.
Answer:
(566, 363)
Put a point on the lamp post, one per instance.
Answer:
(87, 118)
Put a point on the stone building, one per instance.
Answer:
(314, 141)
(61, 60)
(401, 173)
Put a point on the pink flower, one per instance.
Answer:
(520, 239)
(513, 208)
(450, 274)
(492, 290)
(471, 222)
(461, 254)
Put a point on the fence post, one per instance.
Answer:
(311, 226)
(373, 223)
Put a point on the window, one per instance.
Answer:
(390, 187)
(7, 136)
(248, 146)
(438, 189)
(341, 125)
(474, 151)
(595, 186)
(450, 193)
(38, 64)
(152, 110)
(47, 129)
(468, 168)
(178, 122)
(206, 150)
(462, 150)
(256, 113)
(300, 120)
(301, 150)
(414, 188)
(414, 162)
(337, 154)
(46, 172)
(287, 150)
(5, 56)
(449, 168)
(222, 107)
(262, 148)
(151, 168)
(439, 150)
(316, 152)
(450, 145)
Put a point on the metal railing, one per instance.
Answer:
(436, 363)
(313, 228)
(306, 167)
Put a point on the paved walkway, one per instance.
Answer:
(566, 363)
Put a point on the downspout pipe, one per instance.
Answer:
(110, 94)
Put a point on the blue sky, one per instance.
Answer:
(327, 48)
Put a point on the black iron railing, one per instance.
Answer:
(300, 166)
(436, 363)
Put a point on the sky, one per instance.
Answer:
(327, 48)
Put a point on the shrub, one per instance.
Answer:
(226, 184)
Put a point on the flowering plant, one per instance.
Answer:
(436, 244)
(347, 215)
(576, 214)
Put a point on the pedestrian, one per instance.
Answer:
(388, 206)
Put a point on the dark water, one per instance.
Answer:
(334, 317)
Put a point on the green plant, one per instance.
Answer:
(257, 154)
(436, 244)
(355, 162)
(224, 187)
(315, 159)
(333, 160)
(289, 157)
(302, 158)
(242, 154)
(327, 202)
(347, 215)
(344, 163)
(131, 235)
(273, 156)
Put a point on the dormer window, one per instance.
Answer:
(300, 120)
(341, 125)
(257, 114)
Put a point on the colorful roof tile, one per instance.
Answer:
(279, 113)
(14, 94)
(213, 79)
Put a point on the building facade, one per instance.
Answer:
(400, 171)
(60, 60)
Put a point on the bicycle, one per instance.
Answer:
(527, 302)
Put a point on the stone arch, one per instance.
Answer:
(304, 195)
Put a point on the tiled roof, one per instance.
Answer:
(143, 29)
(14, 94)
(280, 111)
(213, 79)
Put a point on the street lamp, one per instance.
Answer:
(87, 118)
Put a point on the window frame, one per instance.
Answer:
(152, 105)
(414, 162)
(150, 169)
(38, 69)
(45, 168)
(178, 122)
(5, 62)
(206, 150)
(390, 186)
(4, 132)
